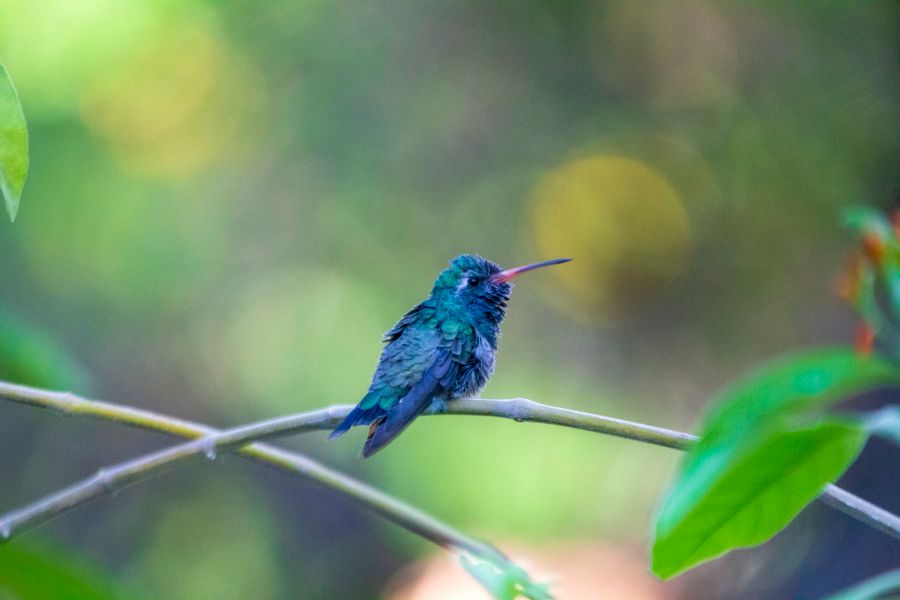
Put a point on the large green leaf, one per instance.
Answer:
(761, 457)
(791, 385)
(13, 145)
(745, 497)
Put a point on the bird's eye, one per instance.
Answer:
(473, 281)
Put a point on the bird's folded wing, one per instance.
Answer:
(434, 381)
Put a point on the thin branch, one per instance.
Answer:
(109, 480)
(854, 506)
(523, 409)
(518, 409)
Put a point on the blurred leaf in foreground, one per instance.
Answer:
(753, 495)
(504, 581)
(785, 387)
(38, 573)
(762, 457)
(13, 145)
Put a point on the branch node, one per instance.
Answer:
(518, 409)
(106, 480)
(112, 479)
(67, 403)
(209, 447)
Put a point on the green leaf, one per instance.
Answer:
(885, 423)
(744, 497)
(876, 587)
(788, 386)
(39, 573)
(504, 581)
(13, 145)
(761, 458)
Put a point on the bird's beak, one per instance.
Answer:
(504, 276)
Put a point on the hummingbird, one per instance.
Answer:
(441, 350)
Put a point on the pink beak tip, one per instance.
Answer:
(506, 275)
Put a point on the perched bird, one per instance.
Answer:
(440, 350)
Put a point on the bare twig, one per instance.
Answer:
(111, 479)
(518, 409)
(522, 409)
(870, 514)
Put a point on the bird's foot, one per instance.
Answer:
(437, 407)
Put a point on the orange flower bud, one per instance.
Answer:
(847, 283)
(874, 247)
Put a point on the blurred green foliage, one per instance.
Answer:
(229, 203)
(763, 455)
(41, 572)
(33, 357)
(222, 529)
(871, 283)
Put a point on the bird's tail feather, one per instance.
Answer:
(386, 429)
(357, 416)
(383, 429)
(410, 406)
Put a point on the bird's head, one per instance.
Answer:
(471, 279)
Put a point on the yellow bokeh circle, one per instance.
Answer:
(626, 227)
(180, 102)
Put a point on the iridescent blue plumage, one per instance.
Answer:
(440, 350)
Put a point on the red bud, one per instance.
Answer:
(874, 247)
(865, 339)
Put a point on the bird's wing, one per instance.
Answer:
(435, 379)
(405, 321)
(403, 362)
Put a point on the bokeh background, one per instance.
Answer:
(229, 203)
